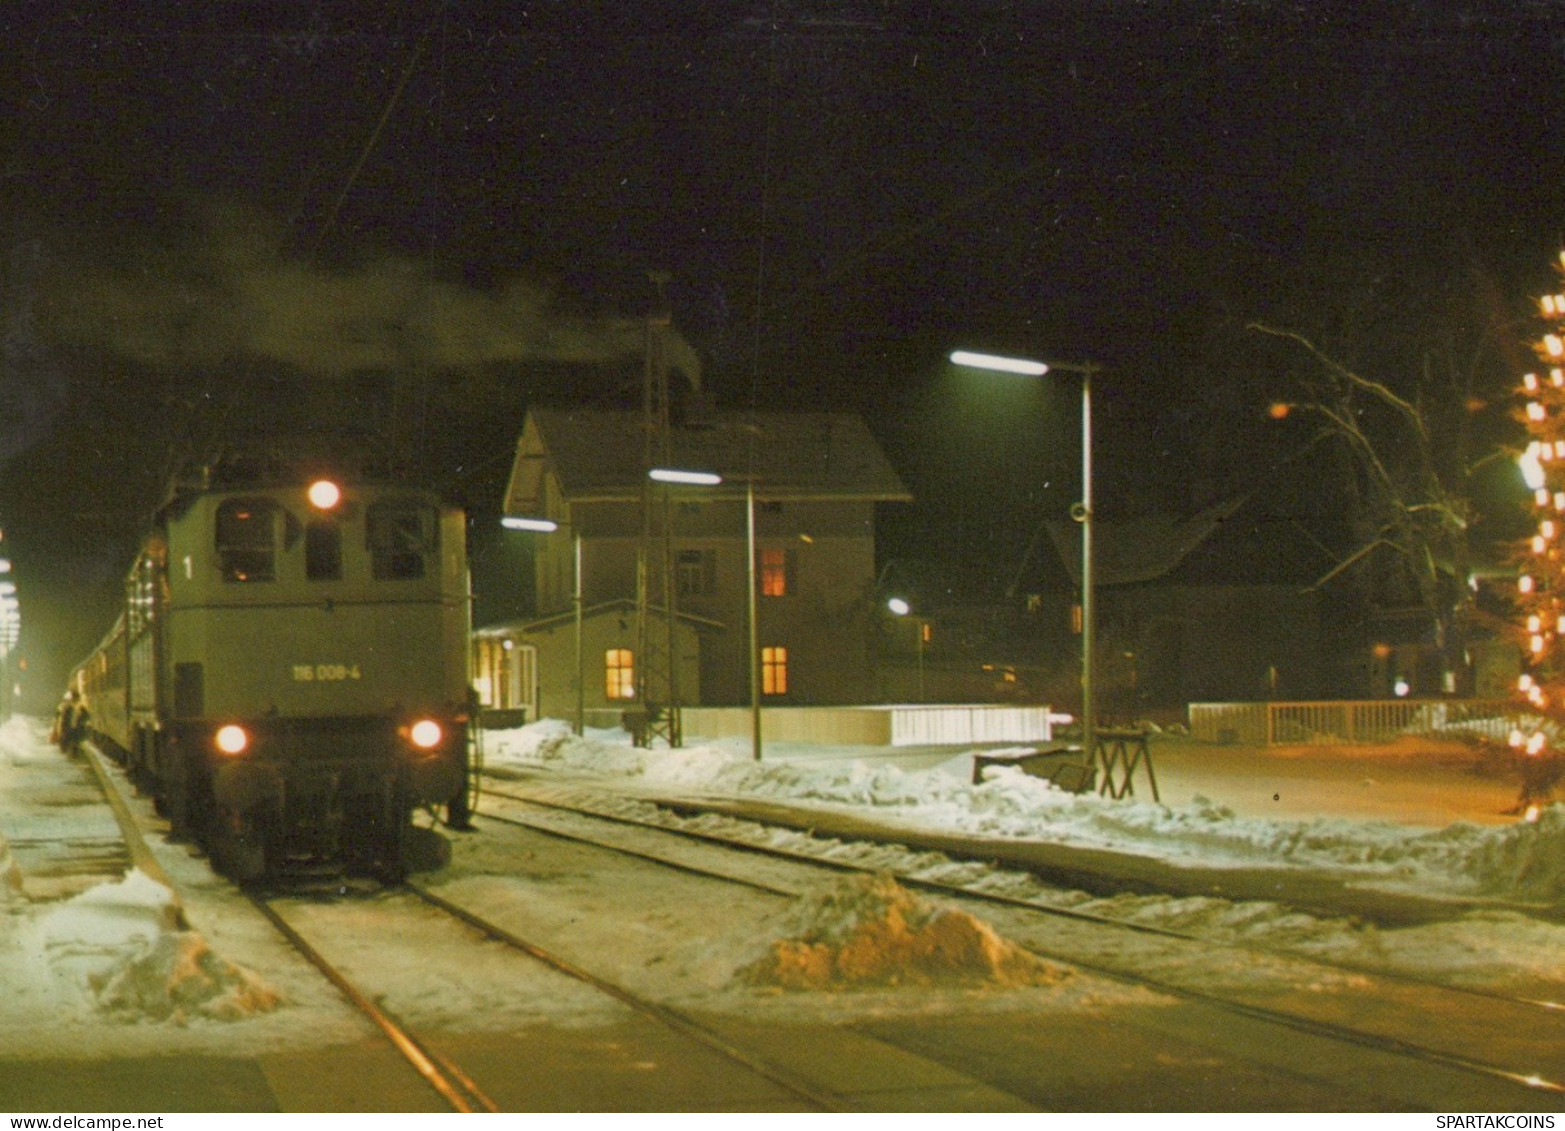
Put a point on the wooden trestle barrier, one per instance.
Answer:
(1119, 753)
(1112, 767)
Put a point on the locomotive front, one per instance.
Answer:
(308, 652)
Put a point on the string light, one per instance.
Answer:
(1540, 584)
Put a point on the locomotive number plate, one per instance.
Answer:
(325, 673)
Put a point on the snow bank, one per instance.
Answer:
(1523, 862)
(10, 874)
(122, 947)
(871, 931)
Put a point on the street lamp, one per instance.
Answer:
(899, 607)
(549, 526)
(1082, 512)
(713, 479)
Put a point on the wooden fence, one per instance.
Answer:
(1327, 722)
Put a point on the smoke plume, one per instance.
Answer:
(232, 292)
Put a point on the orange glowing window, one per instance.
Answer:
(619, 669)
(774, 573)
(774, 671)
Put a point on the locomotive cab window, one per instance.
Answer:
(401, 535)
(246, 539)
(323, 551)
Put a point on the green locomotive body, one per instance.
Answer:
(289, 676)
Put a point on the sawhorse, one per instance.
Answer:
(1119, 753)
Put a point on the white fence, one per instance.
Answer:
(1350, 720)
(877, 726)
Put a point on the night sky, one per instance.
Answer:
(412, 220)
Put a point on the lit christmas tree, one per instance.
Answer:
(1541, 587)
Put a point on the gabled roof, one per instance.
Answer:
(599, 455)
(1141, 550)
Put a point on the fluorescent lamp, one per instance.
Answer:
(1002, 364)
(690, 478)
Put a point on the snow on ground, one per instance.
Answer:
(871, 931)
(126, 944)
(109, 962)
(89, 964)
(1522, 861)
(123, 966)
(1480, 857)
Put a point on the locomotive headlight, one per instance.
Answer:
(231, 739)
(324, 494)
(425, 734)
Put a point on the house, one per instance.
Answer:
(1219, 604)
(809, 482)
(526, 670)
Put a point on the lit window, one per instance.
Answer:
(619, 666)
(774, 671)
(774, 573)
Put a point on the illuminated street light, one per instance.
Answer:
(539, 525)
(549, 526)
(713, 479)
(1019, 365)
(901, 608)
(687, 478)
(1082, 512)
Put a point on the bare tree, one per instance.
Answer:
(1407, 488)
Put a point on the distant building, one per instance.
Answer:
(1216, 605)
(815, 480)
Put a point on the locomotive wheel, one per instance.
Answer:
(393, 839)
(424, 849)
(239, 847)
(174, 797)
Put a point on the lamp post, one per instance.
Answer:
(712, 479)
(900, 607)
(549, 526)
(755, 651)
(1082, 512)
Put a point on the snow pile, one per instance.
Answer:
(1524, 861)
(871, 931)
(123, 944)
(10, 874)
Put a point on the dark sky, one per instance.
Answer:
(222, 216)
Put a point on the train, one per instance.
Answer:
(288, 675)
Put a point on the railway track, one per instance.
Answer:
(1408, 1045)
(808, 849)
(1412, 1017)
(441, 1070)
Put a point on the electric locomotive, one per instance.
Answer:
(289, 675)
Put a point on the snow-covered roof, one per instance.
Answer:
(1144, 549)
(600, 455)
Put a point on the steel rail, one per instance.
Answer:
(454, 1086)
(669, 1017)
(1377, 1041)
(1000, 898)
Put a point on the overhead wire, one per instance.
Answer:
(227, 398)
